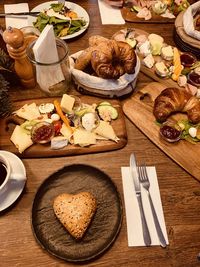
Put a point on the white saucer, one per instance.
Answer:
(13, 189)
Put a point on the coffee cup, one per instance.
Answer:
(6, 174)
(5, 171)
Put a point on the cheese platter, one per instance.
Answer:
(139, 109)
(20, 135)
(160, 61)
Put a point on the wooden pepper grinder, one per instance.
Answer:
(16, 47)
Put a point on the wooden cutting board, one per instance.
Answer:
(139, 110)
(37, 150)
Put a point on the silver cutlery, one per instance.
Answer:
(20, 14)
(133, 168)
(144, 180)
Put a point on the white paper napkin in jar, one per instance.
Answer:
(109, 14)
(45, 51)
(133, 219)
(16, 21)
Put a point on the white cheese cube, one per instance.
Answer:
(149, 61)
(144, 48)
(67, 103)
(59, 142)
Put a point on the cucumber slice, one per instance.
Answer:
(107, 109)
(105, 103)
(131, 42)
(136, 8)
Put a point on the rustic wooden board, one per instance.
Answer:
(7, 125)
(130, 16)
(151, 73)
(139, 110)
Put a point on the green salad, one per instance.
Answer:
(62, 27)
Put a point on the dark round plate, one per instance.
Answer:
(184, 46)
(105, 226)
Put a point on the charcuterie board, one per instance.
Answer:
(131, 16)
(139, 110)
(8, 124)
(151, 72)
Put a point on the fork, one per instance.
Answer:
(144, 180)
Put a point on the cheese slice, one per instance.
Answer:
(84, 138)
(67, 103)
(106, 130)
(28, 112)
(21, 139)
(65, 131)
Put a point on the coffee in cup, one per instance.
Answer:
(5, 171)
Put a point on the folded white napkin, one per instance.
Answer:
(45, 51)
(109, 14)
(17, 21)
(188, 20)
(133, 219)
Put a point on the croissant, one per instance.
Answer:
(113, 59)
(109, 58)
(172, 100)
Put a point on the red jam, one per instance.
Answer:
(169, 133)
(194, 78)
(188, 59)
(42, 132)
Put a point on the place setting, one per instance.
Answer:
(146, 225)
(77, 19)
(13, 179)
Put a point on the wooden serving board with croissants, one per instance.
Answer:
(139, 109)
(8, 124)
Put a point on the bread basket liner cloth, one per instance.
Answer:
(188, 20)
(100, 83)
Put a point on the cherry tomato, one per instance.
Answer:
(57, 126)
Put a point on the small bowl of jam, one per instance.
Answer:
(188, 59)
(194, 78)
(170, 132)
(42, 132)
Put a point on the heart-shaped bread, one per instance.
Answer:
(75, 212)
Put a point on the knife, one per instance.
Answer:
(20, 14)
(134, 174)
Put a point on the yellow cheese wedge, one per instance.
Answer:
(28, 112)
(106, 130)
(21, 139)
(84, 138)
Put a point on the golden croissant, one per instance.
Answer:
(109, 58)
(172, 100)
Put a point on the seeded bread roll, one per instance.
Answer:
(75, 212)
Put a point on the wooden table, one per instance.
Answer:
(180, 192)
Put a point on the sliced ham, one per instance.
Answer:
(144, 13)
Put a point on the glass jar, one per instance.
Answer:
(53, 78)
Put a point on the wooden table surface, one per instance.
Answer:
(180, 192)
